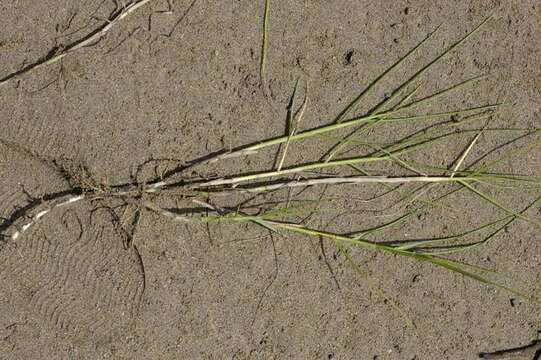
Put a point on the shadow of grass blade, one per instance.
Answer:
(381, 106)
(441, 93)
(451, 265)
(400, 106)
(373, 285)
(353, 105)
(497, 204)
(290, 125)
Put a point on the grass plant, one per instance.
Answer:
(401, 158)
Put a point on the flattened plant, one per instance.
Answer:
(281, 200)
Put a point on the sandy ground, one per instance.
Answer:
(69, 289)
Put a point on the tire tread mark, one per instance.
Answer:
(83, 285)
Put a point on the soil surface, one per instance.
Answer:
(166, 87)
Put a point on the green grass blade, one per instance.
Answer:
(264, 43)
(353, 105)
(418, 243)
(406, 99)
(380, 107)
(372, 284)
(437, 261)
(290, 126)
(401, 219)
(497, 204)
(440, 93)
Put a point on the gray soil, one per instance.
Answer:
(69, 289)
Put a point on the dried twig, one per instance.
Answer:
(88, 40)
(523, 352)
